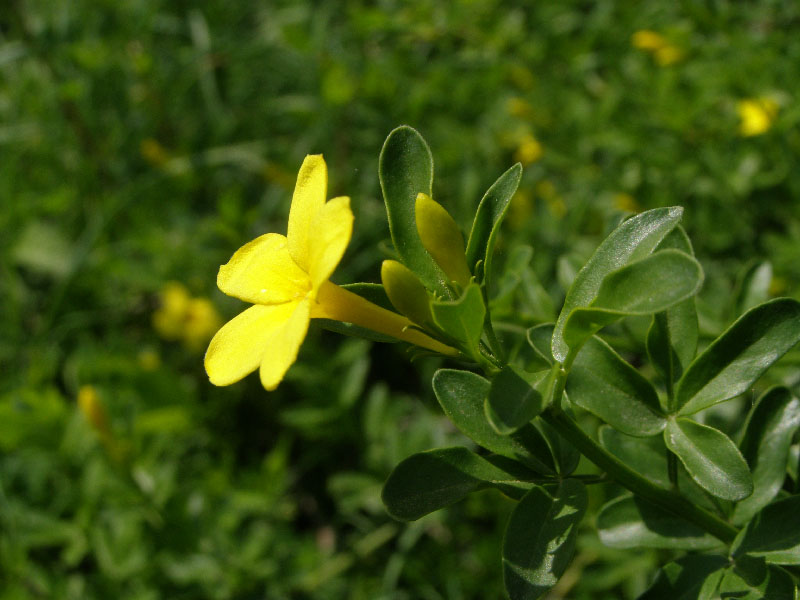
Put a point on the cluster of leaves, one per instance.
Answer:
(143, 141)
(692, 485)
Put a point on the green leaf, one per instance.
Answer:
(540, 538)
(512, 400)
(442, 238)
(462, 396)
(431, 480)
(406, 293)
(694, 577)
(565, 455)
(774, 533)
(539, 338)
(462, 319)
(752, 579)
(405, 169)
(710, 457)
(491, 210)
(765, 446)
(601, 382)
(629, 522)
(672, 339)
(753, 288)
(632, 240)
(647, 456)
(647, 286)
(737, 358)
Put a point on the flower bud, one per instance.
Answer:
(442, 238)
(405, 292)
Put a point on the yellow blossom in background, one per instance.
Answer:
(663, 51)
(153, 152)
(626, 202)
(519, 107)
(93, 410)
(201, 322)
(520, 209)
(555, 203)
(182, 317)
(529, 150)
(756, 115)
(286, 279)
(148, 359)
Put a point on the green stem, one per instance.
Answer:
(621, 473)
(672, 469)
(494, 344)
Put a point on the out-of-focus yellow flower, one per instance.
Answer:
(202, 321)
(148, 359)
(664, 52)
(529, 150)
(286, 278)
(520, 209)
(153, 152)
(181, 317)
(555, 203)
(756, 115)
(519, 107)
(93, 410)
(626, 202)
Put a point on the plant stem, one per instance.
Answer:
(621, 473)
(672, 469)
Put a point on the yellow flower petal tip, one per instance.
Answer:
(442, 238)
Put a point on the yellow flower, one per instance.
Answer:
(286, 278)
(93, 410)
(664, 52)
(174, 301)
(529, 150)
(756, 115)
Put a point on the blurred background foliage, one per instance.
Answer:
(143, 141)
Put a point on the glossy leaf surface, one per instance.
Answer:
(688, 578)
(601, 382)
(462, 396)
(540, 538)
(735, 360)
(765, 446)
(774, 533)
(405, 169)
(491, 210)
(647, 286)
(711, 458)
(512, 400)
(752, 579)
(629, 522)
(431, 480)
(632, 240)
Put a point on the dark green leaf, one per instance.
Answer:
(765, 447)
(405, 169)
(736, 359)
(629, 522)
(462, 396)
(647, 286)
(710, 457)
(431, 480)
(774, 533)
(540, 538)
(693, 577)
(462, 319)
(632, 240)
(672, 339)
(512, 400)
(752, 579)
(566, 456)
(491, 211)
(647, 456)
(601, 382)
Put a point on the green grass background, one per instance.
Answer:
(144, 141)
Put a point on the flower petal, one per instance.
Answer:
(309, 197)
(263, 272)
(332, 227)
(237, 349)
(283, 345)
